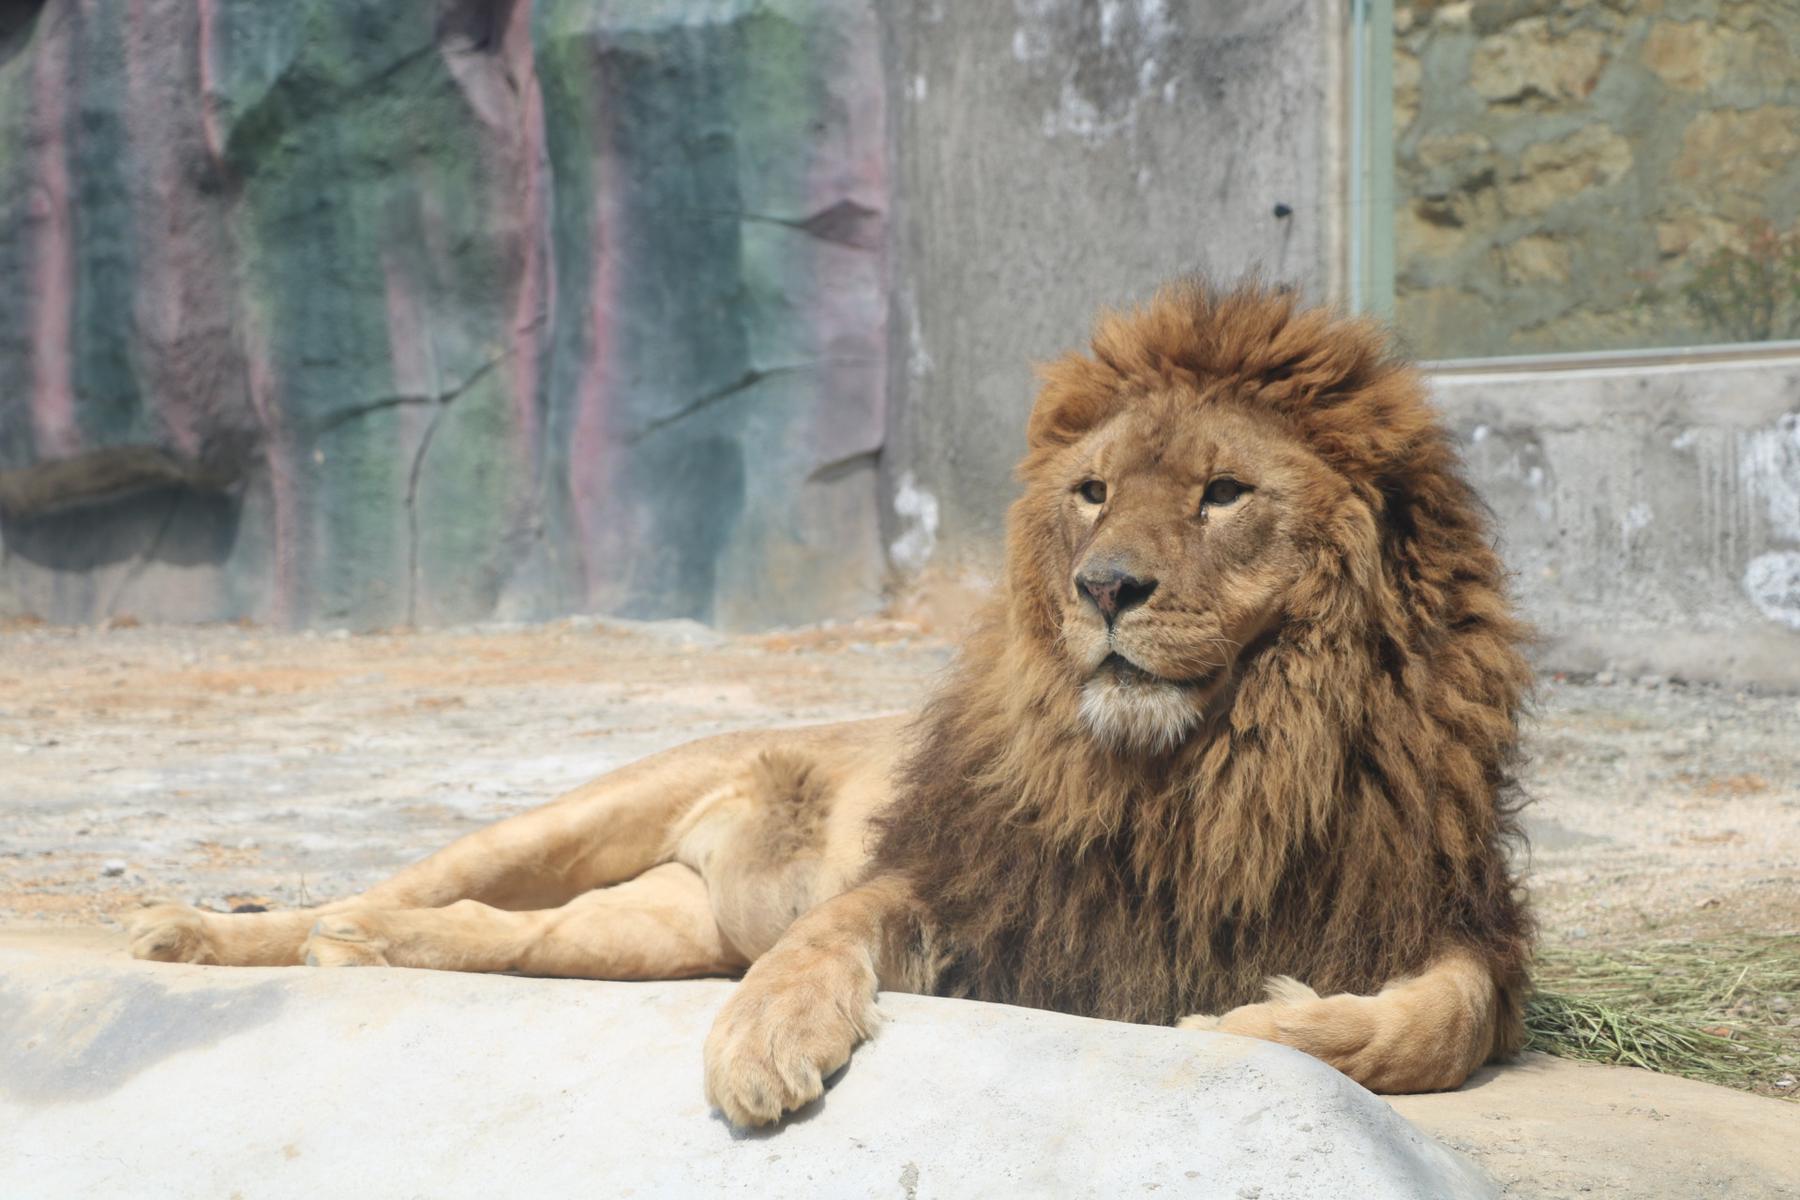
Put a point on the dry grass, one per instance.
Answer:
(1723, 1011)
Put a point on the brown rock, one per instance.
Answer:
(1695, 232)
(1444, 149)
(1536, 258)
(1581, 329)
(1452, 16)
(1450, 321)
(1552, 172)
(1420, 231)
(1406, 88)
(1734, 154)
(1529, 60)
(1692, 56)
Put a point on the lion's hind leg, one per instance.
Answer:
(1423, 1033)
(657, 926)
(605, 832)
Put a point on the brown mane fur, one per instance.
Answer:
(1344, 816)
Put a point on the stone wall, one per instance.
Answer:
(1567, 170)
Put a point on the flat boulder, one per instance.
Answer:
(149, 1080)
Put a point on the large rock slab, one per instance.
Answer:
(123, 1078)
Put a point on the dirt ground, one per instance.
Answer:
(224, 766)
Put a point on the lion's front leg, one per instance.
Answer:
(1424, 1033)
(806, 1004)
(182, 933)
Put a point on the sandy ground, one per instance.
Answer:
(224, 766)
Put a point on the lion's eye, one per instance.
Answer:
(1221, 492)
(1093, 491)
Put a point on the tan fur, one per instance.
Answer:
(1236, 737)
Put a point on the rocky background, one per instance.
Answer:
(1579, 175)
(355, 311)
(372, 313)
(377, 313)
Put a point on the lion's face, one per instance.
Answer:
(1169, 537)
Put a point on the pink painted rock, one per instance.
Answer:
(370, 313)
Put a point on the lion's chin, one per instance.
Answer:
(1137, 712)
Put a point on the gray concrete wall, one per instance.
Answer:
(1053, 155)
(1651, 512)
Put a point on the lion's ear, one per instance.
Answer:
(1076, 394)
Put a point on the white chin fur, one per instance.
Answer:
(1136, 716)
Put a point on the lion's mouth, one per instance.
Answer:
(1129, 674)
(1126, 671)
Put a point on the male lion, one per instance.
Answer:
(1235, 737)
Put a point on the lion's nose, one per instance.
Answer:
(1113, 591)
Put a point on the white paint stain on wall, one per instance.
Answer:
(1772, 581)
(1109, 60)
(918, 357)
(1541, 502)
(918, 513)
(1769, 468)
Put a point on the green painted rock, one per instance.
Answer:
(374, 312)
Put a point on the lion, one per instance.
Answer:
(1232, 747)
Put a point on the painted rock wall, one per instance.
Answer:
(374, 312)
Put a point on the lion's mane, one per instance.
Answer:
(1347, 815)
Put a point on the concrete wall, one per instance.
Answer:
(1651, 513)
(1055, 155)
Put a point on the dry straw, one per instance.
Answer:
(1723, 1010)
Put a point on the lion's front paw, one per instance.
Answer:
(170, 933)
(782, 1032)
(1283, 1017)
(1346, 1031)
(343, 942)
